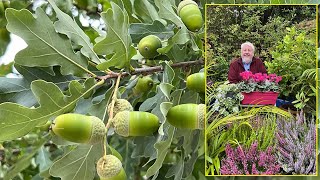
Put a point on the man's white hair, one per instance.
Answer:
(247, 44)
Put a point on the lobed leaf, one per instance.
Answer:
(146, 11)
(167, 12)
(139, 30)
(16, 90)
(45, 46)
(117, 41)
(17, 120)
(77, 163)
(162, 149)
(69, 27)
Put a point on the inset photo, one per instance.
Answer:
(261, 90)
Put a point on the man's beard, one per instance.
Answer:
(247, 59)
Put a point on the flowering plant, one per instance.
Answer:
(259, 82)
(249, 161)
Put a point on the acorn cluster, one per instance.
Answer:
(91, 130)
(191, 17)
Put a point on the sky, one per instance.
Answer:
(16, 44)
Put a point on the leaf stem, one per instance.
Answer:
(149, 70)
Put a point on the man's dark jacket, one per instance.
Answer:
(236, 67)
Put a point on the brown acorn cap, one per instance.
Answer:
(108, 166)
(184, 3)
(98, 130)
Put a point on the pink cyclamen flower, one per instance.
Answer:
(278, 79)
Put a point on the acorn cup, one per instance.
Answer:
(120, 105)
(196, 82)
(135, 123)
(187, 116)
(190, 15)
(79, 128)
(110, 167)
(148, 46)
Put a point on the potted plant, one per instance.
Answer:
(259, 88)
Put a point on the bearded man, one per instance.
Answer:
(247, 62)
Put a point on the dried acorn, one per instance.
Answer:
(135, 123)
(189, 116)
(79, 128)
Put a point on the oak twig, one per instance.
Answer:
(149, 70)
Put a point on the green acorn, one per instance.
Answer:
(143, 85)
(135, 123)
(190, 15)
(148, 46)
(79, 128)
(188, 116)
(197, 82)
(110, 167)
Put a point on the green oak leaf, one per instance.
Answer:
(77, 163)
(146, 11)
(16, 90)
(178, 53)
(168, 73)
(141, 30)
(162, 150)
(49, 74)
(43, 159)
(182, 36)
(17, 120)
(117, 41)
(166, 12)
(163, 90)
(69, 27)
(143, 146)
(45, 46)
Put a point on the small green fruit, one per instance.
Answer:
(110, 167)
(197, 82)
(171, 158)
(143, 85)
(121, 105)
(148, 46)
(79, 128)
(135, 123)
(190, 14)
(188, 116)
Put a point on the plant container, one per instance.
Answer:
(260, 98)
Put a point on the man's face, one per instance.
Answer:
(247, 53)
